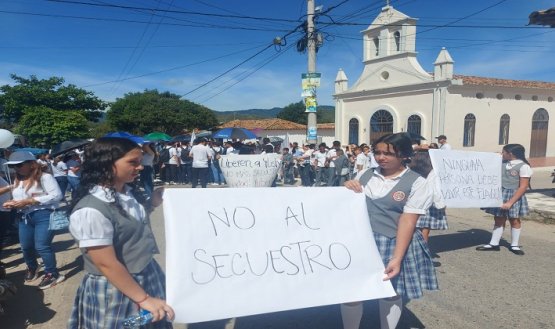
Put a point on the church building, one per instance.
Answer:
(395, 94)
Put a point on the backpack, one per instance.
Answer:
(185, 155)
(164, 156)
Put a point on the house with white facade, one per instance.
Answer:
(287, 130)
(394, 94)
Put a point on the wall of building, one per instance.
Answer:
(488, 111)
(326, 135)
(401, 107)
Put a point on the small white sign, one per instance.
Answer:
(245, 251)
(256, 170)
(468, 179)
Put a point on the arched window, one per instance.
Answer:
(504, 123)
(538, 140)
(469, 129)
(414, 124)
(381, 124)
(377, 45)
(397, 37)
(353, 131)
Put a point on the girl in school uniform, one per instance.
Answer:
(435, 218)
(395, 198)
(113, 231)
(516, 174)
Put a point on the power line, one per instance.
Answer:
(465, 17)
(283, 38)
(128, 62)
(170, 69)
(246, 75)
(175, 11)
(227, 71)
(137, 22)
(127, 47)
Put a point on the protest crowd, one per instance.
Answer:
(103, 184)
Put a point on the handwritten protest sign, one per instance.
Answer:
(468, 179)
(244, 251)
(250, 170)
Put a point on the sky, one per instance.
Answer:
(220, 53)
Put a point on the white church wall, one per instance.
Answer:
(488, 111)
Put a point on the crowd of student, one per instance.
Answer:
(110, 215)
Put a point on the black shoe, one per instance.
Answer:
(31, 275)
(488, 247)
(516, 251)
(49, 280)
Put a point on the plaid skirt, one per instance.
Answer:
(519, 208)
(434, 219)
(417, 270)
(99, 304)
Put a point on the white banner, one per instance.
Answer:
(256, 170)
(468, 179)
(244, 251)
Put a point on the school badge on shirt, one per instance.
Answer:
(513, 173)
(399, 196)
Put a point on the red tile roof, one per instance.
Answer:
(271, 124)
(474, 80)
(326, 126)
(266, 124)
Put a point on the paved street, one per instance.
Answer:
(478, 289)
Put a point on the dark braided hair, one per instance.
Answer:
(98, 169)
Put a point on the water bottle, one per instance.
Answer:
(137, 320)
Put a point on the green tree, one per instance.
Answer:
(294, 112)
(45, 127)
(144, 112)
(50, 93)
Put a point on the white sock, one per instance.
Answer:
(390, 312)
(351, 315)
(496, 235)
(515, 236)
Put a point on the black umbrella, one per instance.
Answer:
(67, 146)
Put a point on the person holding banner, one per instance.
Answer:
(113, 231)
(515, 181)
(435, 218)
(395, 198)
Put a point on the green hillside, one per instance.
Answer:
(328, 114)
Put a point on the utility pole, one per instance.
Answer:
(311, 128)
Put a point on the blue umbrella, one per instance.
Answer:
(234, 133)
(35, 151)
(123, 134)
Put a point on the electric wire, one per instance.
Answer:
(249, 73)
(137, 21)
(127, 63)
(171, 68)
(176, 11)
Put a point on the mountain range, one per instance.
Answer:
(328, 114)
